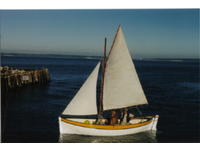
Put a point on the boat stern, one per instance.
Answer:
(154, 123)
(60, 124)
(60, 130)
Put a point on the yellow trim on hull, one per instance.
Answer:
(108, 127)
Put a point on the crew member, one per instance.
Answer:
(124, 117)
(113, 119)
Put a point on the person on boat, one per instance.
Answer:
(100, 120)
(113, 119)
(124, 117)
(130, 117)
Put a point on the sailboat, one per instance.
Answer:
(120, 89)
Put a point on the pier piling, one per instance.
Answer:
(12, 78)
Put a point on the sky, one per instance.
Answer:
(150, 33)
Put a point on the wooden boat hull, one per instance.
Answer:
(71, 126)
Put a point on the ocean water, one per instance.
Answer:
(172, 88)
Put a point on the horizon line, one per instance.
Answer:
(79, 55)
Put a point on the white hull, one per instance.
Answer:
(67, 128)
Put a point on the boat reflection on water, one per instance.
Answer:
(148, 137)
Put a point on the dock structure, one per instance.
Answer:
(12, 78)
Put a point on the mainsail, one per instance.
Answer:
(84, 102)
(122, 87)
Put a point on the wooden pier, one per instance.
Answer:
(12, 78)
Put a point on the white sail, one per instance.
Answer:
(84, 102)
(122, 87)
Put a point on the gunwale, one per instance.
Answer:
(107, 127)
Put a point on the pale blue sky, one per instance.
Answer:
(149, 33)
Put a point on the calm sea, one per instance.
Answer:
(172, 88)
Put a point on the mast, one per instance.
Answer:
(103, 66)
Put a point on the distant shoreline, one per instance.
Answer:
(90, 57)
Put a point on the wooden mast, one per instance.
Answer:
(103, 66)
